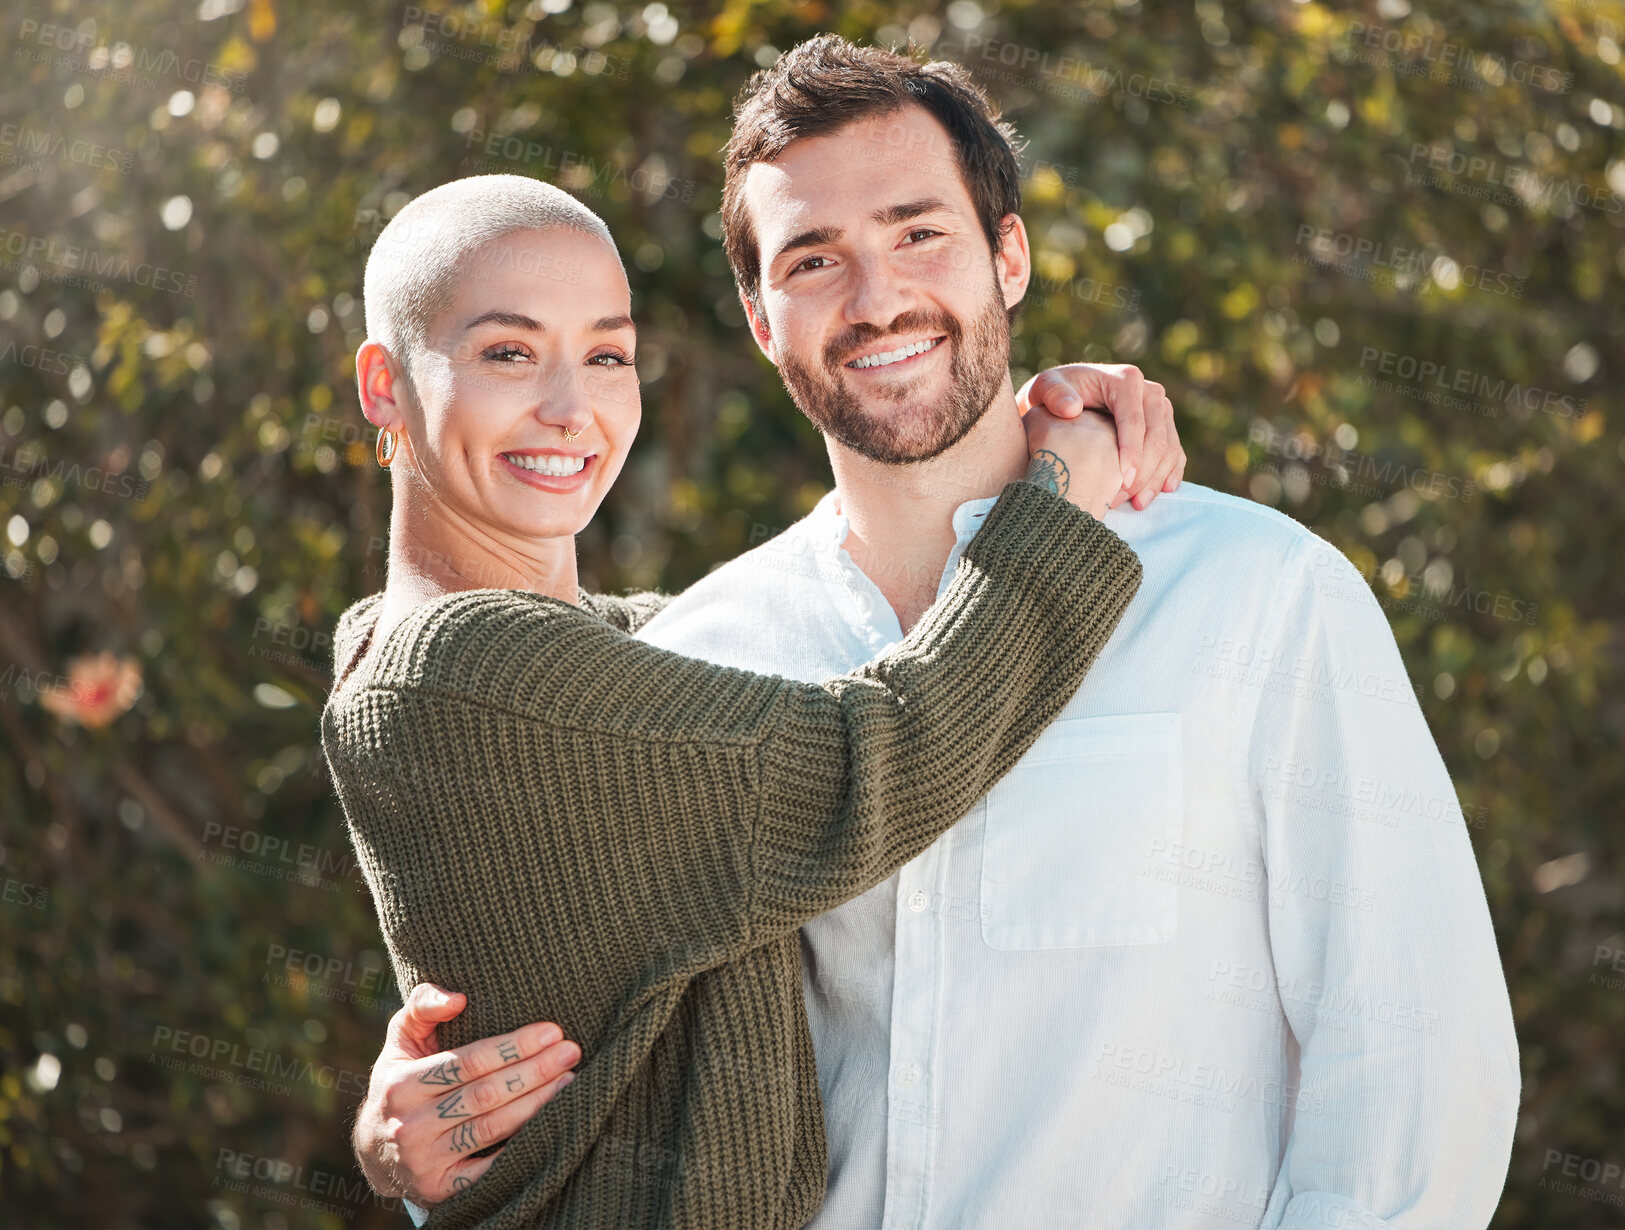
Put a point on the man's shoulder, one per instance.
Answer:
(1195, 509)
(1206, 540)
(1197, 523)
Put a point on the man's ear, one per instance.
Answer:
(1014, 263)
(379, 382)
(758, 328)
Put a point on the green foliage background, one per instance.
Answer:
(184, 479)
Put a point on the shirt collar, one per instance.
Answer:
(829, 528)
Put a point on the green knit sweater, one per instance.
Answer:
(569, 824)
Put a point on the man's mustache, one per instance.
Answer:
(840, 347)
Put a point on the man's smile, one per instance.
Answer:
(900, 354)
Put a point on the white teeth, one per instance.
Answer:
(546, 463)
(893, 356)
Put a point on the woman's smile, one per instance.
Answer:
(550, 469)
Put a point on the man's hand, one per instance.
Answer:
(1148, 447)
(1075, 458)
(427, 1110)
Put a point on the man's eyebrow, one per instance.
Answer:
(891, 215)
(815, 238)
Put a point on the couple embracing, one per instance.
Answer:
(1022, 839)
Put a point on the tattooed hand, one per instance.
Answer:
(1075, 458)
(1049, 472)
(1148, 448)
(428, 1111)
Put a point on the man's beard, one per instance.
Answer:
(981, 360)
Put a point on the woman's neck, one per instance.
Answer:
(433, 551)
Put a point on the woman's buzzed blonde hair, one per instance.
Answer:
(413, 268)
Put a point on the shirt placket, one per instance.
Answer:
(911, 1092)
(912, 1086)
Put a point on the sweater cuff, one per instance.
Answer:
(1053, 544)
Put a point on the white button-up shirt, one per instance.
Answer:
(1214, 954)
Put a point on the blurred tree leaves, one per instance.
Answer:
(1275, 208)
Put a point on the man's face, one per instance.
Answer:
(882, 305)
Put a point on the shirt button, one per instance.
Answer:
(909, 1077)
(916, 901)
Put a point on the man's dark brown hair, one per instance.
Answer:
(819, 87)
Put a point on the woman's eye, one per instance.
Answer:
(613, 360)
(506, 352)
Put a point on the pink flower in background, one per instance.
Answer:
(99, 689)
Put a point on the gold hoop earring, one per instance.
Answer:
(384, 450)
(570, 435)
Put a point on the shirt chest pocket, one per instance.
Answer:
(1064, 854)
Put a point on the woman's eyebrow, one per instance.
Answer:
(513, 320)
(517, 320)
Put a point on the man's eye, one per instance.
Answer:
(506, 352)
(922, 232)
(808, 263)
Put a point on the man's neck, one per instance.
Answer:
(901, 517)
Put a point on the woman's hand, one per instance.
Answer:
(1075, 458)
(427, 1110)
(1148, 447)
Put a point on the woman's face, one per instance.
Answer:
(538, 342)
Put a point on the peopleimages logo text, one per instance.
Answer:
(94, 264)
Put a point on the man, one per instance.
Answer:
(1216, 951)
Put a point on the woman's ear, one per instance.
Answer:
(377, 381)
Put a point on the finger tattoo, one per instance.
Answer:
(451, 1106)
(508, 1052)
(464, 1138)
(446, 1072)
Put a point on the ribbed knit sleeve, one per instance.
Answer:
(762, 801)
(862, 774)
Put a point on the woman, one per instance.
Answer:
(557, 819)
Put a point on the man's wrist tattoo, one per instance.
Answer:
(1049, 472)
